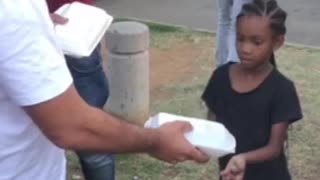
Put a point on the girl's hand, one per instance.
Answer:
(235, 169)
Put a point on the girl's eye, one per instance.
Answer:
(257, 43)
(240, 39)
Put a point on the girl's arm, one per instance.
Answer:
(211, 116)
(285, 111)
(272, 149)
(237, 164)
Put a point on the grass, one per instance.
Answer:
(300, 65)
(161, 36)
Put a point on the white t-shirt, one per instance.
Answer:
(32, 70)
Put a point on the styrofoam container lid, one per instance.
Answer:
(210, 137)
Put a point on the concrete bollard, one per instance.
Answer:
(128, 71)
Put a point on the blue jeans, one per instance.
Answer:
(91, 83)
(228, 11)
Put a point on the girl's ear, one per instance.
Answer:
(278, 42)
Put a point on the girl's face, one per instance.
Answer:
(255, 41)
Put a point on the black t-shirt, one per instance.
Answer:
(250, 116)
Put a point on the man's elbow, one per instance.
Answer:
(65, 140)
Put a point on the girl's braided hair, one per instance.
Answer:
(268, 9)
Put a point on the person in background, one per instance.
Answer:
(226, 35)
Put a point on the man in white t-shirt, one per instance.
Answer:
(41, 112)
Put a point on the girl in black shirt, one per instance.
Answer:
(253, 99)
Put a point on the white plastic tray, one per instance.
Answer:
(210, 137)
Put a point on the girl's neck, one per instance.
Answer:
(256, 71)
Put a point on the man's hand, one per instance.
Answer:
(235, 169)
(173, 147)
(58, 20)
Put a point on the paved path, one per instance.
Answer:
(303, 22)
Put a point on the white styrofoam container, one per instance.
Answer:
(210, 137)
(85, 28)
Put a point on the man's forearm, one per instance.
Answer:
(102, 132)
(70, 123)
